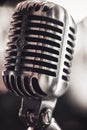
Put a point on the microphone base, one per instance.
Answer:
(37, 114)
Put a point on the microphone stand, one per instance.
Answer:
(37, 114)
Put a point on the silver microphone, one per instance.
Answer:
(39, 51)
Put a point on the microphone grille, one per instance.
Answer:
(41, 41)
(69, 54)
(34, 36)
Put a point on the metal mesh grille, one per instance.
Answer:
(69, 54)
(33, 45)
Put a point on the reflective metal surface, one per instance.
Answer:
(38, 59)
(40, 50)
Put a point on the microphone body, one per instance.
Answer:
(40, 49)
(39, 52)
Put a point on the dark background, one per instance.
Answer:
(63, 113)
(67, 118)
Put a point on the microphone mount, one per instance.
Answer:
(38, 61)
(37, 114)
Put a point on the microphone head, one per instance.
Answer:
(40, 50)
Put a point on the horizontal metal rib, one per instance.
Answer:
(11, 50)
(15, 32)
(42, 40)
(67, 71)
(41, 48)
(10, 67)
(69, 50)
(11, 47)
(44, 18)
(13, 37)
(71, 37)
(68, 57)
(12, 53)
(32, 69)
(42, 33)
(17, 17)
(11, 44)
(28, 61)
(11, 60)
(40, 63)
(67, 64)
(15, 23)
(72, 30)
(44, 26)
(39, 55)
(70, 43)
(66, 78)
(38, 70)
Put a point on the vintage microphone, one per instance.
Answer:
(38, 59)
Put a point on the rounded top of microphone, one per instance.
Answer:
(38, 5)
(27, 5)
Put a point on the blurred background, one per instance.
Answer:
(71, 108)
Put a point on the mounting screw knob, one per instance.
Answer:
(45, 117)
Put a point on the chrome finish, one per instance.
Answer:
(40, 50)
(53, 126)
(39, 55)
